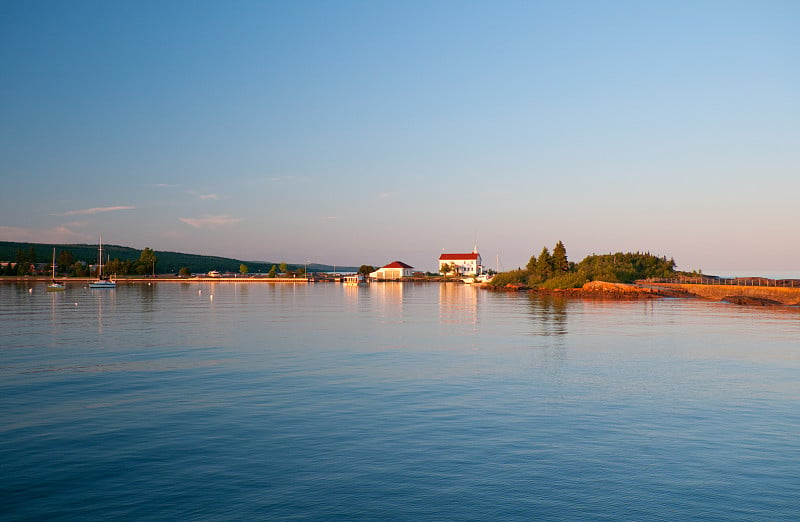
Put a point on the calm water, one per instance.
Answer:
(400, 402)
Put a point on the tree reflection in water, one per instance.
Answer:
(549, 313)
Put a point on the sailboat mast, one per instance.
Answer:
(100, 260)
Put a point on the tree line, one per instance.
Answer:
(25, 262)
(554, 270)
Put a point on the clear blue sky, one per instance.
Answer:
(355, 132)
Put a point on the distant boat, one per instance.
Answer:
(102, 282)
(354, 280)
(55, 286)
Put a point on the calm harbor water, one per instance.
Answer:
(393, 402)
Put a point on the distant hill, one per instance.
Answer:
(168, 262)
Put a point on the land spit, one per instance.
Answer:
(740, 295)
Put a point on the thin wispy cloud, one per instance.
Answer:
(210, 196)
(95, 210)
(210, 221)
(60, 234)
(385, 195)
(161, 185)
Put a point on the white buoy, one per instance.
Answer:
(211, 297)
(76, 304)
(30, 290)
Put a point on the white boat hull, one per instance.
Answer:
(103, 284)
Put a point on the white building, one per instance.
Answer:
(462, 264)
(394, 270)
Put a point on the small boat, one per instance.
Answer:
(478, 279)
(102, 282)
(354, 280)
(55, 286)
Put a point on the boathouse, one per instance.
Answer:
(392, 271)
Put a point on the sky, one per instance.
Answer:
(363, 132)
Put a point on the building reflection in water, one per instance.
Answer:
(388, 297)
(458, 303)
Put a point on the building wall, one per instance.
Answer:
(463, 266)
(391, 273)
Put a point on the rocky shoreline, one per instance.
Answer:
(604, 290)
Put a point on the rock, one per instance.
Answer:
(622, 288)
(750, 301)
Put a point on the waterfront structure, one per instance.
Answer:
(462, 264)
(394, 270)
(354, 280)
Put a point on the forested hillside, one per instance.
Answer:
(166, 262)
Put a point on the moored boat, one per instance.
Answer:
(55, 286)
(102, 282)
(478, 279)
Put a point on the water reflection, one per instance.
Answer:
(549, 314)
(103, 298)
(147, 295)
(550, 329)
(458, 303)
(389, 297)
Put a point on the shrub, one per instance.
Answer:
(514, 277)
(568, 280)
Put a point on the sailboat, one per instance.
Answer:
(102, 282)
(55, 286)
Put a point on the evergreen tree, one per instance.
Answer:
(544, 265)
(560, 262)
(273, 271)
(531, 266)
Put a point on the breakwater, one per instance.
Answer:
(785, 295)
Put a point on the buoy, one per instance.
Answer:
(76, 304)
(30, 290)
(211, 297)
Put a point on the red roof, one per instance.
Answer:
(458, 257)
(397, 264)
